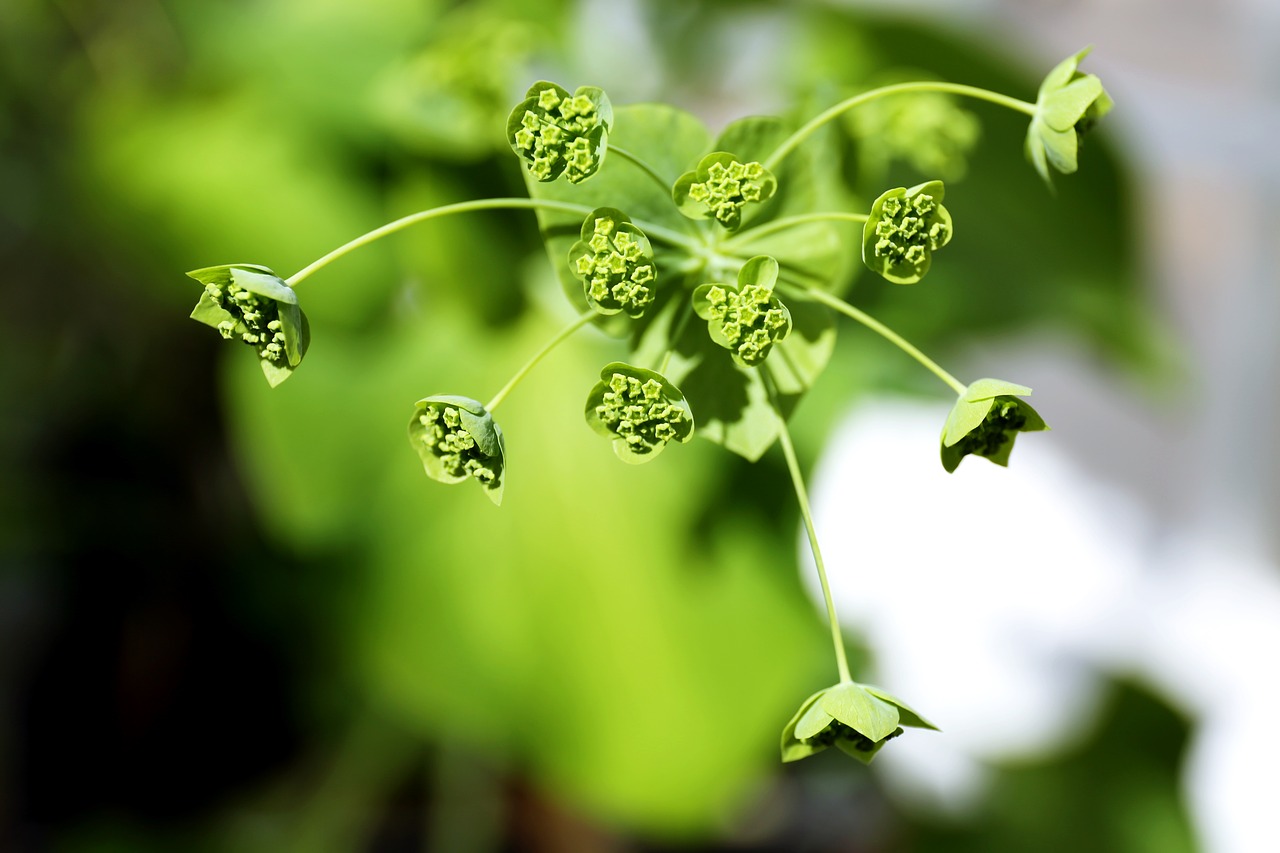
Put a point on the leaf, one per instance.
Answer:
(868, 715)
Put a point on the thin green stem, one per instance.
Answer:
(677, 330)
(791, 142)
(802, 498)
(879, 328)
(529, 365)
(643, 166)
(433, 213)
(791, 222)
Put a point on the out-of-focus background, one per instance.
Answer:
(235, 618)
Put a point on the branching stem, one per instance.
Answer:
(879, 328)
(529, 365)
(746, 237)
(790, 143)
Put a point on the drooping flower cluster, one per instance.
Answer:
(721, 186)
(639, 410)
(252, 304)
(1068, 104)
(905, 228)
(615, 262)
(985, 420)
(457, 440)
(748, 319)
(857, 719)
(556, 133)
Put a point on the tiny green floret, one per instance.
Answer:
(556, 133)
(985, 420)
(721, 186)
(639, 410)
(857, 719)
(252, 304)
(747, 319)
(905, 228)
(457, 440)
(614, 261)
(1069, 103)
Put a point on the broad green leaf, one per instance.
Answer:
(907, 716)
(868, 715)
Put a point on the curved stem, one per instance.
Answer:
(880, 329)
(792, 221)
(529, 365)
(643, 166)
(676, 332)
(433, 213)
(802, 498)
(790, 143)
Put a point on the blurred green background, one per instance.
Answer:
(242, 619)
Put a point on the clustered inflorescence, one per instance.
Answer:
(640, 413)
(751, 320)
(616, 266)
(906, 234)
(727, 185)
(446, 438)
(257, 315)
(555, 136)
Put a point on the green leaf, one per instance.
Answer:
(907, 716)
(985, 420)
(1068, 104)
(852, 705)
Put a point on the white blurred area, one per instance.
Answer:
(1139, 539)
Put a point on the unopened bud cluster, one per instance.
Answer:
(990, 435)
(553, 137)
(615, 269)
(907, 232)
(447, 439)
(729, 188)
(258, 316)
(639, 413)
(751, 320)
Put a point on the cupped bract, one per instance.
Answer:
(556, 133)
(904, 229)
(748, 318)
(1068, 104)
(614, 261)
(251, 303)
(985, 420)
(857, 719)
(457, 440)
(639, 410)
(721, 186)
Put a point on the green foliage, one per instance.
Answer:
(1069, 103)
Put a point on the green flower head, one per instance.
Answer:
(720, 187)
(252, 304)
(614, 260)
(556, 133)
(985, 420)
(457, 440)
(857, 719)
(1069, 103)
(639, 410)
(905, 228)
(747, 319)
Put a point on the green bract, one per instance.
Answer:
(556, 133)
(458, 440)
(721, 186)
(615, 262)
(858, 719)
(985, 420)
(905, 228)
(253, 304)
(747, 319)
(639, 410)
(1068, 104)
